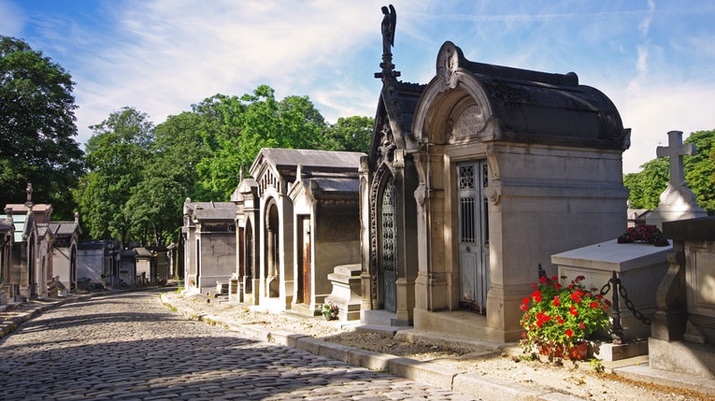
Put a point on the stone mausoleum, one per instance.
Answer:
(475, 179)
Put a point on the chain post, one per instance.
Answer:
(542, 272)
(617, 327)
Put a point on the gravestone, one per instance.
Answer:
(677, 202)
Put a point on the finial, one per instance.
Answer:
(29, 195)
(389, 20)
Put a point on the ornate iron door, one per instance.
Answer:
(388, 247)
(472, 180)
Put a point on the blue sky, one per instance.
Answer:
(654, 59)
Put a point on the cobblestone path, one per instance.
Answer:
(131, 347)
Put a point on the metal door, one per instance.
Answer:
(388, 247)
(472, 179)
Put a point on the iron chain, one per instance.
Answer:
(629, 304)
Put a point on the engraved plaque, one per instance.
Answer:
(469, 123)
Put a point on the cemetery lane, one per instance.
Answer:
(130, 346)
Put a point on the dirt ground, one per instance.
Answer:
(578, 379)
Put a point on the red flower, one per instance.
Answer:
(573, 311)
(536, 295)
(576, 295)
(559, 319)
(582, 325)
(543, 279)
(557, 301)
(569, 333)
(594, 305)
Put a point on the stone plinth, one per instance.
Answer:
(640, 267)
(235, 290)
(683, 337)
(346, 291)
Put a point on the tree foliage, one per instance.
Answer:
(647, 185)
(352, 134)
(249, 123)
(37, 128)
(117, 154)
(139, 175)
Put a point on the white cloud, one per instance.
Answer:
(644, 25)
(12, 19)
(662, 107)
(164, 56)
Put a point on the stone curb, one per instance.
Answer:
(11, 324)
(423, 372)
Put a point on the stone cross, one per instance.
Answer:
(675, 150)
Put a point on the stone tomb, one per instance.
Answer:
(640, 267)
(64, 255)
(683, 331)
(209, 245)
(346, 282)
(7, 235)
(98, 264)
(491, 170)
(246, 277)
(327, 233)
(289, 275)
(30, 262)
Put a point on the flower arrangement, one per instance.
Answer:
(557, 317)
(330, 311)
(647, 233)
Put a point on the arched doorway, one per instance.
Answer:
(272, 251)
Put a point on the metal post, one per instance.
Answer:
(617, 328)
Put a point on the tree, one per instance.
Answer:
(646, 186)
(117, 153)
(155, 206)
(37, 128)
(700, 169)
(351, 134)
(252, 122)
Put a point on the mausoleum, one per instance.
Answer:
(209, 245)
(276, 172)
(493, 170)
(64, 253)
